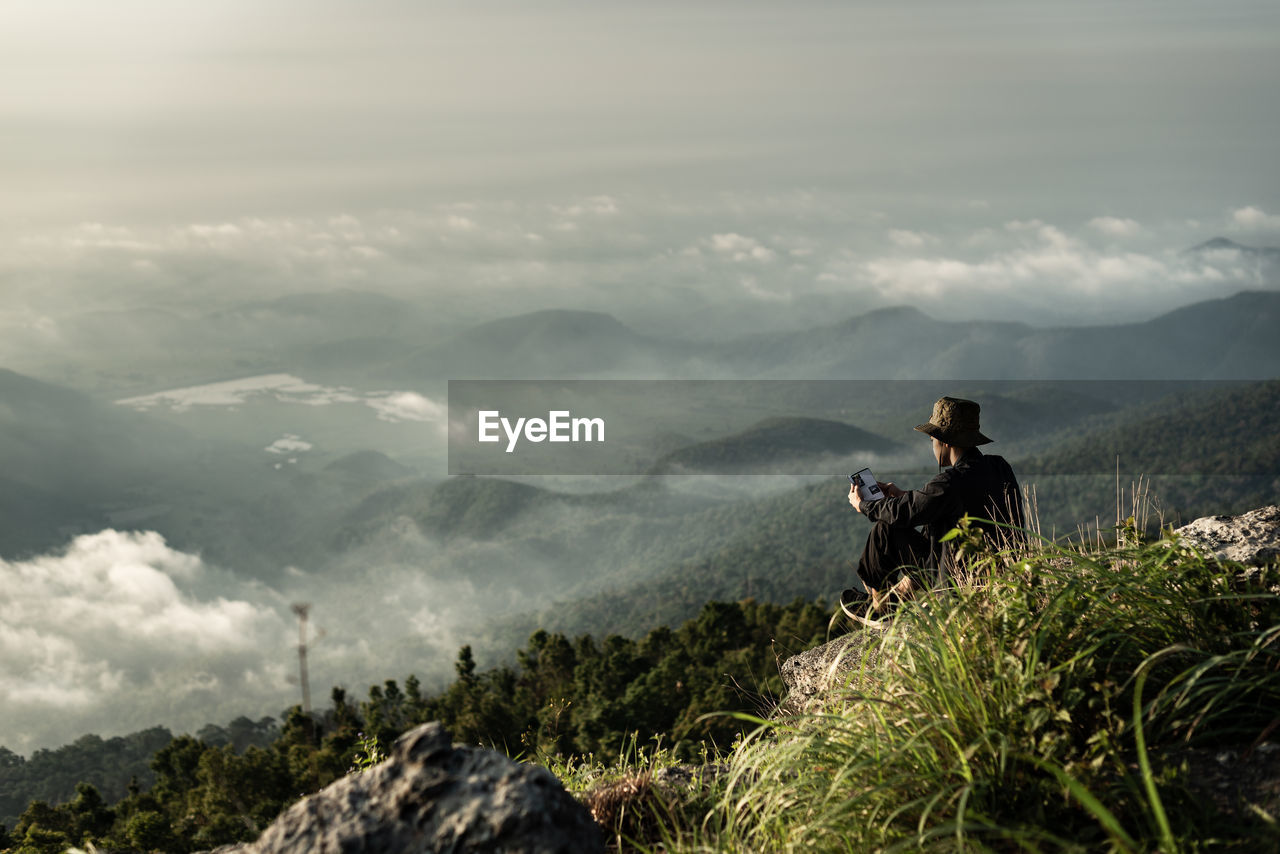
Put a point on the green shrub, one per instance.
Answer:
(1038, 705)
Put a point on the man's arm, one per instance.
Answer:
(915, 507)
(890, 489)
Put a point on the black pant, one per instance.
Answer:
(891, 549)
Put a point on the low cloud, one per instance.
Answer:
(285, 388)
(740, 248)
(289, 443)
(1115, 226)
(682, 265)
(120, 631)
(591, 206)
(405, 406)
(1255, 219)
(121, 627)
(906, 238)
(1046, 265)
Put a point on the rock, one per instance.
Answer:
(842, 662)
(1252, 538)
(432, 796)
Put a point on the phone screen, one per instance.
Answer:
(867, 486)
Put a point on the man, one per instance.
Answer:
(978, 485)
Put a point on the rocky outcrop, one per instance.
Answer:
(1252, 538)
(843, 662)
(432, 796)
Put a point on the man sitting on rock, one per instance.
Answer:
(981, 486)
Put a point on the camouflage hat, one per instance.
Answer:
(955, 421)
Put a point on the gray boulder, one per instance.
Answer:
(849, 661)
(1252, 538)
(432, 796)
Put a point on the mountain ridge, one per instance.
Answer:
(1221, 338)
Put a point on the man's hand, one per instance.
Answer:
(890, 489)
(854, 498)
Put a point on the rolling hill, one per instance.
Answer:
(775, 445)
(1227, 431)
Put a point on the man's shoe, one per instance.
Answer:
(854, 602)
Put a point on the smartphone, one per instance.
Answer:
(867, 486)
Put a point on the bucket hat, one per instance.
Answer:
(955, 421)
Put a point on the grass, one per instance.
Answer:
(1041, 704)
(637, 800)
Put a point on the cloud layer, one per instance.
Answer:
(119, 631)
(392, 406)
(120, 627)
(694, 265)
(1039, 268)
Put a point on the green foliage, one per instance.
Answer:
(368, 753)
(1040, 707)
(587, 697)
(641, 701)
(43, 828)
(1203, 451)
(795, 544)
(53, 775)
(472, 507)
(148, 830)
(1227, 431)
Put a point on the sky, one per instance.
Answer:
(196, 110)
(584, 153)
(699, 168)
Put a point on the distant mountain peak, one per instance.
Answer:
(368, 465)
(549, 343)
(1217, 243)
(887, 315)
(1221, 243)
(909, 311)
(552, 329)
(559, 318)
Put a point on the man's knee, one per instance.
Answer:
(882, 535)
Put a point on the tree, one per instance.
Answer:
(9, 759)
(466, 664)
(176, 765)
(149, 831)
(43, 829)
(90, 817)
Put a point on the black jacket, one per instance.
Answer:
(981, 486)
